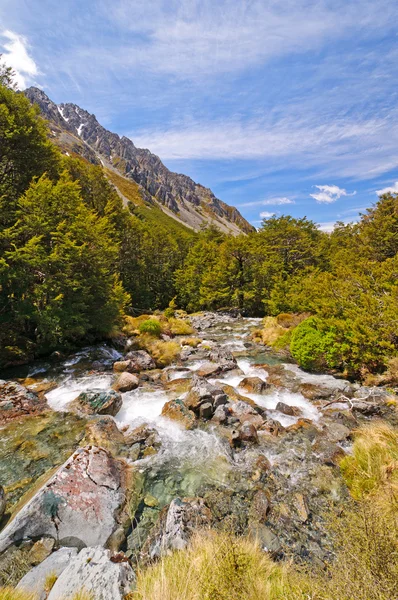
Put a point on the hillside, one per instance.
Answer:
(77, 131)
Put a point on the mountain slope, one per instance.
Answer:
(75, 130)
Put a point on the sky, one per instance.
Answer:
(280, 107)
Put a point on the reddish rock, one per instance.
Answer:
(208, 369)
(126, 382)
(285, 409)
(254, 385)
(16, 401)
(177, 411)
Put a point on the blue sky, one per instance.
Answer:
(284, 107)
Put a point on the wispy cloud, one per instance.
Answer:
(328, 226)
(269, 202)
(16, 56)
(393, 189)
(329, 193)
(266, 214)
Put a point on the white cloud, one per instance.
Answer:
(269, 202)
(17, 57)
(389, 190)
(266, 214)
(329, 193)
(329, 226)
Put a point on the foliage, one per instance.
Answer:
(313, 345)
(179, 326)
(163, 353)
(151, 327)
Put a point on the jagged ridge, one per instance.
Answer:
(177, 194)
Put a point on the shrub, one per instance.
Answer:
(132, 324)
(314, 345)
(151, 327)
(171, 309)
(180, 327)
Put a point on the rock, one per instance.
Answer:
(42, 387)
(3, 501)
(314, 392)
(126, 382)
(248, 433)
(121, 365)
(265, 538)
(78, 506)
(41, 550)
(177, 411)
(330, 453)
(221, 414)
(206, 410)
(204, 392)
(16, 401)
(34, 582)
(254, 385)
(234, 396)
(336, 432)
(300, 504)
(260, 506)
(143, 441)
(140, 360)
(176, 524)
(98, 402)
(209, 369)
(285, 409)
(224, 358)
(97, 573)
(104, 432)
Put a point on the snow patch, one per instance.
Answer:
(61, 112)
(80, 128)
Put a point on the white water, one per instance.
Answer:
(71, 387)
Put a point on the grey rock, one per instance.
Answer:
(285, 409)
(34, 581)
(79, 504)
(93, 571)
(139, 360)
(3, 501)
(206, 410)
(336, 432)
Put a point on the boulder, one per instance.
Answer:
(248, 433)
(140, 360)
(254, 385)
(336, 432)
(97, 402)
(78, 506)
(16, 401)
(3, 501)
(100, 575)
(202, 392)
(104, 432)
(224, 358)
(285, 409)
(126, 382)
(35, 581)
(221, 414)
(260, 507)
(177, 411)
(209, 369)
(206, 410)
(143, 441)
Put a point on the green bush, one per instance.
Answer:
(314, 345)
(152, 327)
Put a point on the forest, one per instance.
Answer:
(74, 261)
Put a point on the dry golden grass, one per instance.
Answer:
(50, 582)
(163, 353)
(180, 326)
(192, 341)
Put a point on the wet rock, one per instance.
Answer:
(3, 501)
(202, 392)
(221, 414)
(40, 387)
(234, 396)
(245, 413)
(248, 433)
(336, 432)
(285, 409)
(140, 360)
(209, 369)
(314, 392)
(103, 432)
(254, 385)
(121, 365)
(224, 358)
(126, 382)
(34, 582)
(16, 401)
(177, 411)
(206, 410)
(176, 524)
(143, 441)
(41, 550)
(78, 506)
(98, 402)
(330, 453)
(273, 427)
(95, 571)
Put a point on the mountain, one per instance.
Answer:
(77, 131)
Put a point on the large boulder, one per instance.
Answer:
(98, 402)
(135, 361)
(126, 382)
(78, 506)
(95, 571)
(104, 432)
(35, 581)
(254, 385)
(209, 369)
(16, 401)
(224, 358)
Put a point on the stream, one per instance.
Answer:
(294, 460)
